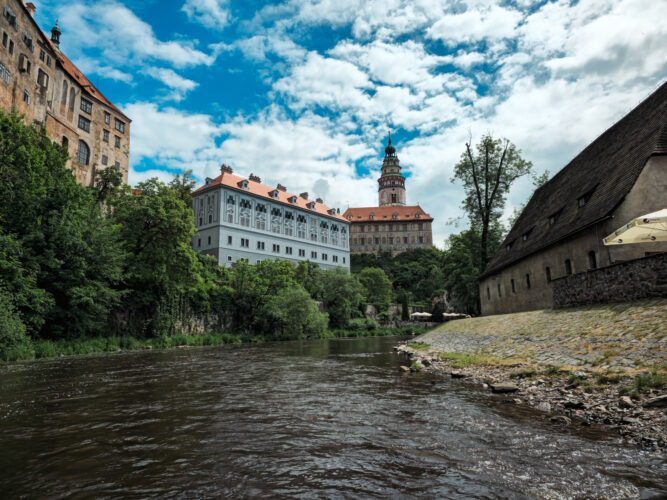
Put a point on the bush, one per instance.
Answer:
(362, 324)
(14, 343)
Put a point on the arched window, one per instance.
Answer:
(63, 99)
(83, 154)
(65, 143)
(71, 99)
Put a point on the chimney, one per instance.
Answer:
(254, 178)
(226, 169)
(282, 188)
(31, 8)
(304, 195)
(319, 200)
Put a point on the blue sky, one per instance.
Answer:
(303, 92)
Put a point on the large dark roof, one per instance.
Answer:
(606, 170)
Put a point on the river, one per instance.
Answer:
(311, 419)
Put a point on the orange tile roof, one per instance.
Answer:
(363, 214)
(81, 79)
(232, 181)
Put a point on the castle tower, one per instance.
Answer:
(391, 190)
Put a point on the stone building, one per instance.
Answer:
(619, 176)
(41, 83)
(238, 218)
(392, 225)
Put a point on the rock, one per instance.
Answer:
(403, 368)
(574, 405)
(485, 386)
(504, 387)
(580, 374)
(544, 406)
(657, 402)
(426, 362)
(629, 420)
(561, 420)
(625, 402)
(585, 422)
(457, 374)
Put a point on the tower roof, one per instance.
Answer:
(390, 150)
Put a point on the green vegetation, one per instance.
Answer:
(419, 346)
(459, 360)
(86, 269)
(416, 366)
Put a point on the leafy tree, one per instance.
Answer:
(295, 314)
(377, 287)
(342, 296)
(487, 174)
(13, 338)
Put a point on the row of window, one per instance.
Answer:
(567, 267)
(245, 243)
(390, 240)
(386, 227)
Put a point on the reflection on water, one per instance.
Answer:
(330, 418)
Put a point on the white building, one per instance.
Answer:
(239, 218)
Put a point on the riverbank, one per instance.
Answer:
(601, 365)
(44, 349)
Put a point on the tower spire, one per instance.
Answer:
(391, 189)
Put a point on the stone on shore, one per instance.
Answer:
(458, 374)
(403, 369)
(625, 402)
(504, 387)
(657, 402)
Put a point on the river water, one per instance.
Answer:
(312, 419)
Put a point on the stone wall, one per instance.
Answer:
(637, 279)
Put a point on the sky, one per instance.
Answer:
(304, 92)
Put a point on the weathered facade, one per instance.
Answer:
(38, 81)
(242, 219)
(619, 176)
(391, 226)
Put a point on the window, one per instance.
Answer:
(288, 250)
(107, 118)
(209, 240)
(343, 260)
(201, 221)
(528, 281)
(26, 97)
(2, 71)
(568, 266)
(244, 213)
(65, 143)
(11, 47)
(508, 247)
(42, 78)
(324, 256)
(548, 273)
(5, 39)
(84, 123)
(120, 126)
(27, 39)
(513, 289)
(7, 76)
(105, 159)
(229, 258)
(334, 258)
(63, 98)
(42, 55)
(313, 255)
(117, 165)
(117, 141)
(276, 248)
(86, 106)
(554, 217)
(260, 217)
(105, 136)
(592, 262)
(488, 293)
(582, 200)
(302, 252)
(71, 99)
(245, 242)
(210, 219)
(199, 243)
(260, 245)
(83, 153)
(11, 17)
(48, 61)
(499, 293)
(229, 240)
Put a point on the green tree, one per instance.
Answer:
(295, 314)
(342, 296)
(377, 287)
(14, 343)
(487, 174)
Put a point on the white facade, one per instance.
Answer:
(234, 224)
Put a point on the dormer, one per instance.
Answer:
(311, 205)
(274, 194)
(349, 217)
(394, 215)
(243, 184)
(418, 215)
(209, 181)
(331, 211)
(292, 199)
(371, 216)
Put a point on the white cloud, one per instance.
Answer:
(210, 13)
(122, 37)
(476, 24)
(180, 86)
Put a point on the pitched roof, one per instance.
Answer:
(232, 181)
(76, 74)
(409, 213)
(604, 172)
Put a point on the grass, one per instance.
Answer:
(458, 360)
(71, 347)
(419, 346)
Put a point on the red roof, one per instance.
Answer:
(403, 213)
(81, 79)
(232, 181)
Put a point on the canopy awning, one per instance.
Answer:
(644, 229)
(420, 315)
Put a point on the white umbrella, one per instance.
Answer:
(644, 229)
